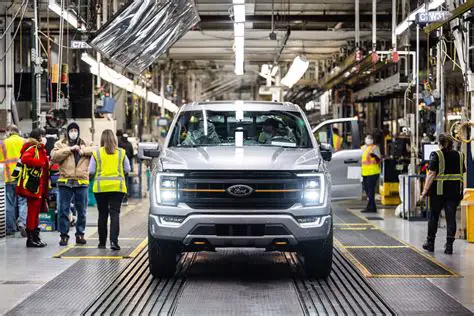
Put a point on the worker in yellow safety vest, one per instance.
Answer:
(10, 149)
(444, 185)
(371, 157)
(109, 169)
(337, 140)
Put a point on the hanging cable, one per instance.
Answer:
(60, 55)
(15, 34)
(22, 6)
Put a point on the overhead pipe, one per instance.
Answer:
(374, 25)
(394, 24)
(357, 24)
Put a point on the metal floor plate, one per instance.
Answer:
(417, 297)
(344, 217)
(398, 262)
(130, 248)
(365, 236)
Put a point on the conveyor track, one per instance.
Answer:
(281, 288)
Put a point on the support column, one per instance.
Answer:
(35, 69)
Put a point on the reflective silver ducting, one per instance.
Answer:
(143, 30)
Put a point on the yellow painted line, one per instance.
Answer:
(95, 257)
(139, 248)
(413, 276)
(375, 247)
(430, 258)
(128, 239)
(353, 228)
(352, 259)
(59, 254)
(353, 224)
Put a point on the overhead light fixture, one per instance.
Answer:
(119, 80)
(402, 27)
(297, 70)
(68, 16)
(239, 56)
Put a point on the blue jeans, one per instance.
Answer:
(65, 197)
(12, 201)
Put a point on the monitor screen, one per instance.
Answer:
(428, 149)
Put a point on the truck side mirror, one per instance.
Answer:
(326, 151)
(148, 151)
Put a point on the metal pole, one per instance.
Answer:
(394, 24)
(374, 24)
(36, 70)
(442, 107)
(162, 92)
(417, 102)
(357, 24)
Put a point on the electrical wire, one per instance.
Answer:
(16, 32)
(13, 19)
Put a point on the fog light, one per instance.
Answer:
(307, 219)
(312, 221)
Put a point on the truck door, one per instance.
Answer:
(345, 167)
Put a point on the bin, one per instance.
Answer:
(467, 207)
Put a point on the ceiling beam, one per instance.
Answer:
(318, 18)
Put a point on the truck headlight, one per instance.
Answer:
(166, 188)
(313, 189)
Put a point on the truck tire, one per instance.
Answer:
(318, 257)
(162, 257)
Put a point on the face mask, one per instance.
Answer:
(369, 141)
(73, 135)
(43, 140)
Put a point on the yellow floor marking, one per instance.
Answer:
(95, 257)
(352, 259)
(58, 255)
(430, 258)
(120, 238)
(139, 248)
(375, 247)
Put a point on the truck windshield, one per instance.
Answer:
(219, 128)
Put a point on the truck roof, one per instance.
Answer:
(244, 105)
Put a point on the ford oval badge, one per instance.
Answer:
(240, 190)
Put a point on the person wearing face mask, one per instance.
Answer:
(371, 157)
(269, 130)
(73, 155)
(33, 184)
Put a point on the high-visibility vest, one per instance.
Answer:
(336, 142)
(370, 166)
(441, 176)
(10, 149)
(109, 174)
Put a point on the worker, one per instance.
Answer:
(33, 184)
(128, 147)
(444, 186)
(371, 157)
(109, 167)
(9, 155)
(337, 140)
(73, 155)
(269, 131)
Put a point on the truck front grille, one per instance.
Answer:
(210, 190)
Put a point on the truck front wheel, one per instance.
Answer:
(162, 257)
(318, 257)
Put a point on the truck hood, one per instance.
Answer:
(246, 158)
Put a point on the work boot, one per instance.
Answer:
(64, 240)
(22, 230)
(114, 246)
(37, 237)
(429, 244)
(448, 247)
(80, 240)
(30, 240)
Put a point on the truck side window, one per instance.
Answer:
(338, 135)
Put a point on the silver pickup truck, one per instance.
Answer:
(239, 174)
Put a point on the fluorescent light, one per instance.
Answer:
(239, 29)
(402, 27)
(238, 2)
(68, 16)
(119, 80)
(239, 56)
(239, 13)
(297, 70)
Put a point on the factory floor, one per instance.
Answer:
(244, 281)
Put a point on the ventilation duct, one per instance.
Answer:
(144, 30)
